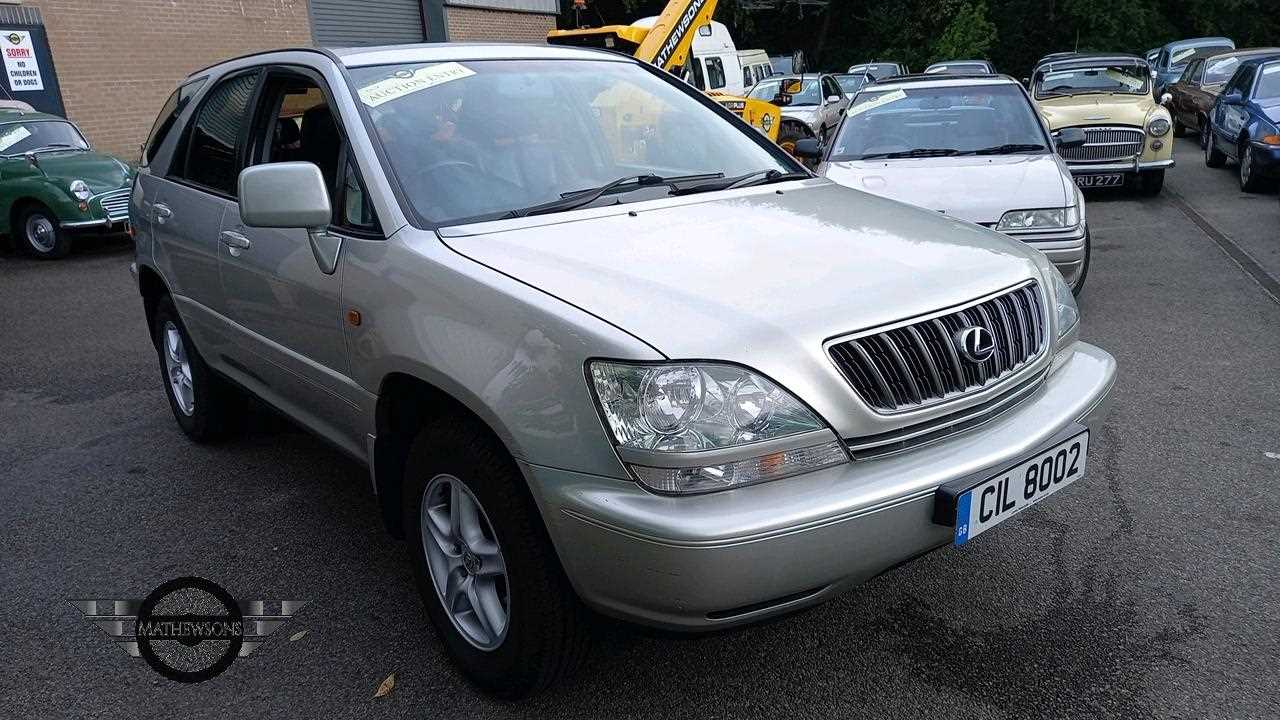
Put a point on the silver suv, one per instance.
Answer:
(600, 344)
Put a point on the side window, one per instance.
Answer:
(1198, 73)
(1243, 81)
(715, 73)
(829, 88)
(214, 147)
(698, 80)
(746, 76)
(357, 212)
(173, 107)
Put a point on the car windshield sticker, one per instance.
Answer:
(9, 138)
(872, 104)
(1125, 79)
(406, 82)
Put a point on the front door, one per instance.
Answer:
(285, 307)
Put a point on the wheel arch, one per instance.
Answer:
(405, 403)
(152, 287)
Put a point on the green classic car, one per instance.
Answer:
(53, 185)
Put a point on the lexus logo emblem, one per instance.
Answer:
(975, 344)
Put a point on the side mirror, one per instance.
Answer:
(1072, 137)
(833, 99)
(809, 149)
(284, 195)
(1026, 83)
(291, 195)
(1233, 98)
(1166, 98)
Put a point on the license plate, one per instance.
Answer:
(1097, 181)
(997, 499)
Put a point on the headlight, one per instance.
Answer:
(1044, 219)
(659, 415)
(80, 190)
(1065, 309)
(1158, 127)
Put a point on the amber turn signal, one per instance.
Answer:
(1271, 139)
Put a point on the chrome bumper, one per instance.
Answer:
(102, 223)
(730, 558)
(1124, 166)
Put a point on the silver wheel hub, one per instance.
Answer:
(1246, 164)
(41, 233)
(178, 369)
(467, 568)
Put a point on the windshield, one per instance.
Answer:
(877, 71)
(955, 68)
(1111, 79)
(788, 92)
(1180, 57)
(851, 84)
(1269, 83)
(18, 138)
(919, 122)
(479, 139)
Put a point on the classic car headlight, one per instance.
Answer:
(1064, 304)
(1158, 127)
(672, 410)
(80, 190)
(1043, 219)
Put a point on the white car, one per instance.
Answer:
(972, 148)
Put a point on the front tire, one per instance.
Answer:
(485, 568)
(1151, 182)
(203, 403)
(41, 235)
(1251, 181)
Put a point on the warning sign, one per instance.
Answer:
(20, 61)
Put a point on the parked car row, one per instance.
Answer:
(601, 344)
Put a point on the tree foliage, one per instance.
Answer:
(1013, 34)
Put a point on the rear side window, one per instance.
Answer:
(168, 116)
(215, 143)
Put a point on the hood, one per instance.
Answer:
(100, 172)
(756, 272)
(1271, 108)
(977, 189)
(804, 113)
(1096, 109)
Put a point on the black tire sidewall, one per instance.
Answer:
(539, 595)
(1078, 287)
(62, 240)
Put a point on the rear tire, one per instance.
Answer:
(203, 403)
(40, 234)
(1213, 157)
(545, 636)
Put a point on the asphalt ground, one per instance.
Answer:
(1148, 590)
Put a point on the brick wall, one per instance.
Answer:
(472, 24)
(118, 60)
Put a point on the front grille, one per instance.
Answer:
(116, 204)
(1106, 144)
(917, 364)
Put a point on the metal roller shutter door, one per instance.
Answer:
(344, 23)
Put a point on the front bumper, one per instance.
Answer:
(1266, 158)
(1120, 166)
(1066, 249)
(109, 210)
(723, 559)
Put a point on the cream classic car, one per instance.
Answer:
(1109, 99)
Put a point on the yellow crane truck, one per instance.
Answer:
(667, 42)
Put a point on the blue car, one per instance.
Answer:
(1172, 59)
(1243, 124)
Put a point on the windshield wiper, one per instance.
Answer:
(913, 153)
(1006, 149)
(55, 146)
(755, 177)
(578, 198)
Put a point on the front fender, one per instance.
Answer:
(40, 190)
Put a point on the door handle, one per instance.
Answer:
(162, 213)
(234, 240)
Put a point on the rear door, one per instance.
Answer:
(286, 310)
(197, 191)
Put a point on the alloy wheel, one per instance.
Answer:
(1246, 167)
(465, 561)
(41, 233)
(178, 369)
